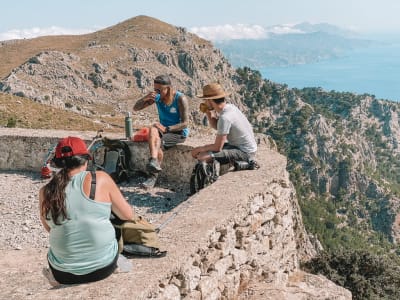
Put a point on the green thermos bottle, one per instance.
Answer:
(128, 125)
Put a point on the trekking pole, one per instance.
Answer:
(166, 222)
(46, 170)
(95, 144)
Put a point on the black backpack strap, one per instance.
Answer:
(93, 185)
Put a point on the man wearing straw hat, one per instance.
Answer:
(235, 138)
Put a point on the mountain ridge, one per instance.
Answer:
(111, 68)
(287, 45)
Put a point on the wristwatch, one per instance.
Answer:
(167, 129)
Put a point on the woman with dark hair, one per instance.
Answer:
(83, 247)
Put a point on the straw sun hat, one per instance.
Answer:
(213, 91)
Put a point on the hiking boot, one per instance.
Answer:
(216, 169)
(153, 166)
(150, 182)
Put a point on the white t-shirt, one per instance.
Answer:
(233, 123)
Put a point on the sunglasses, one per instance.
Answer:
(158, 91)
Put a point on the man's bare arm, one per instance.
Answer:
(144, 102)
(212, 120)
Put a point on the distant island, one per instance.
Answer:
(310, 43)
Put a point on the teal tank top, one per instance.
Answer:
(85, 242)
(169, 114)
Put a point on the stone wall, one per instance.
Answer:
(26, 150)
(257, 242)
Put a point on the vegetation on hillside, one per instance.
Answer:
(24, 113)
(366, 275)
(343, 162)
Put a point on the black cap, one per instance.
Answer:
(162, 79)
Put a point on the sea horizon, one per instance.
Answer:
(374, 70)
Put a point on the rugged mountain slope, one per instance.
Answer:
(104, 72)
(343, 157)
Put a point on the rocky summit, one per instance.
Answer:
(104, 72)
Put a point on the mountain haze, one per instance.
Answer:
(291, 45)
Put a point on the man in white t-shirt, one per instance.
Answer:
(235, 138)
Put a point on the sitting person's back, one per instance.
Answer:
(83, 247)
(86, 240)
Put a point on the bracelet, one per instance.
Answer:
(167, 129)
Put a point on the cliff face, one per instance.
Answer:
(343, 155)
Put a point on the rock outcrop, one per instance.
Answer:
(115, 66)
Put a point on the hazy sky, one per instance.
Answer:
(29, 18)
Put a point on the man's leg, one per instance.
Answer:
(153, 165)
(158, 141)
(160, 155)
(154, 142)
(228, 154)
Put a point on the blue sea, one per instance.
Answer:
(374, 70)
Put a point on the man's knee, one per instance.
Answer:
(153, 133)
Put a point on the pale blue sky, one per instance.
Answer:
(28, 18)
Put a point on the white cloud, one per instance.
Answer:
(242, 31)
(284, 29)
(36, 31)
(230, 32)
(213, 33)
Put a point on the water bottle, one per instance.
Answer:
(128, 125)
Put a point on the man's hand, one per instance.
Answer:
(150, 98)
(147, 100)
(203, 156)
(195, 152)
(160, 127)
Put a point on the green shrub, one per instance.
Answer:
(366, 275)
(11, 122)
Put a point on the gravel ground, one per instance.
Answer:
(20, 227)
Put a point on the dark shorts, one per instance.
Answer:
(69, 278)
(170, 139)
(230, 154)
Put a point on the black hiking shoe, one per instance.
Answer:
(153, 166)
(150, 182)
